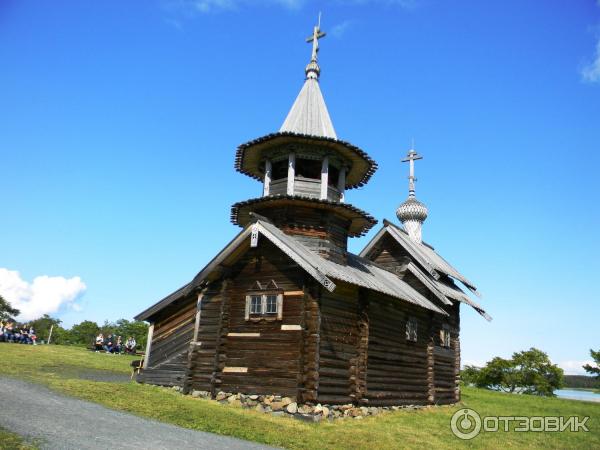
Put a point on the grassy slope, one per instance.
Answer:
(60, 369)
(11, 441)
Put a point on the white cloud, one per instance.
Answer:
(193, 7)
(45, 295)
(340, 29)
(574, 367)
(591, 72)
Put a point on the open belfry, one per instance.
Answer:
(284, 309)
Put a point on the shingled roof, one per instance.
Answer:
(429, 267)
(358, 271)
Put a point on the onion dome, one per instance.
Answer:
(412, 210)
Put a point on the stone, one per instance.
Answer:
(364, 411)
(318, 409)
(251, 403)
(374, 411)
(292, 408)
(253, 397)
(286, 401)
(268, 399)
(305, 409)
(277, 406)
(358, 417)
(221, 396)
(232, 399)
(196, 394)
(325, 411)
(260, 408)
(346, 407)
(235, 402)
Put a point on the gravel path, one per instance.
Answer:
(59, 422)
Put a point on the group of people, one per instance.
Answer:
(20, 334)
(113, 344)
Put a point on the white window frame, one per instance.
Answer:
(278, 314)
(412, 327)
(445, 336)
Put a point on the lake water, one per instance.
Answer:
(578, 395)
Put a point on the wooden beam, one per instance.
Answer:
(291, 173)
(267, 182)
(291, 327)
(324, 177)
(235, 370)
(243, 334)
(148, 345)
(342, 184)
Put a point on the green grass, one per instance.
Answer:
(11, 441)
(60, 368)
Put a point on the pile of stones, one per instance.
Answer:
(287, 406)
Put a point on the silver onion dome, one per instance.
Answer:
(412, 210)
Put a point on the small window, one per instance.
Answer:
(268, 305)
(445, 336)
(271, 304)
(333, 176)
(256, 304)
(411, 329)
(279, 169)
(308, 168)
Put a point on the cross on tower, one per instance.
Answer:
(317, 34)
(411, 158)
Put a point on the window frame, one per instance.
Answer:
(264, 315)
(445, 336)
(412, 329)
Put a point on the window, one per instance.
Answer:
(445, 336)
(271, 304)
(411, 329)
(256, 305)
(334, 176)
(279, 169)
(267, 305)
(308, 168)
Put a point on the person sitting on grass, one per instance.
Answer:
(108, 344)
(8, 332)
(130, 345)
(118, 348)
(32, 336)
(24, 331)
(99, 342)
(2, 331)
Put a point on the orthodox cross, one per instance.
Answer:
(317, 34)
(411, 158)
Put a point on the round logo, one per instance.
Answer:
(465, 424)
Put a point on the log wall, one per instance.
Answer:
(338, 347)
(173, 331)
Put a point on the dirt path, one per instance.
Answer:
(59, 422)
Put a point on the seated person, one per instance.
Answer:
(32, 336)
(108, 344)
(130, 345)
(99, 342)
(118, 347)
(8, 332)
(24, 331)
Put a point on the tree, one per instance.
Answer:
(591, 369)
(7, 312)
(42, 326)
(135, 328)
(469, 375)
(527, 372)
(84, 333)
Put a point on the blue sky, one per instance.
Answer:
(119, 122)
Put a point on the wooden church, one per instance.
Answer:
(285, 309)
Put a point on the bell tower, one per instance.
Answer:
(306, 170)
